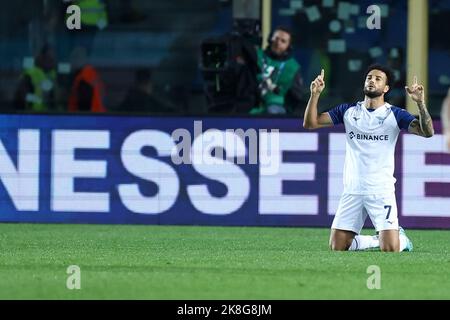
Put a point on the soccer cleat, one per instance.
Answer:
(409, 245)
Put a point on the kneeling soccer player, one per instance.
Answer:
(372, 127)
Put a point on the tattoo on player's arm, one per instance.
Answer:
(424, 126)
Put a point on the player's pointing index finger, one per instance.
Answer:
(322, 73)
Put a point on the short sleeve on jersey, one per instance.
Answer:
(337, 113)
(403, 117)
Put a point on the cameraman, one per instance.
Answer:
(280, 74)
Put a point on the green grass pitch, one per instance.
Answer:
(193, 262)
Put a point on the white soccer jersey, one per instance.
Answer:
(371, 138)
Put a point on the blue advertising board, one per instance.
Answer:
(198, 171)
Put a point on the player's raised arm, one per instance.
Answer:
(424, 126)
(311, 119)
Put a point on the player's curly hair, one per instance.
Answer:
(387, 71)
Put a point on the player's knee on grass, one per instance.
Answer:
(335, 246)
(340, 240)
(389, 247)
(389, 241)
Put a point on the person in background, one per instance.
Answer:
(88, 90)
(94, 14)
(280, 72)
(94, 19)
(36, 89)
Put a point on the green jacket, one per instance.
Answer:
(282, 73)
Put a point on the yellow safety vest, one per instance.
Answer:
(93, 13)
(41, 82)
